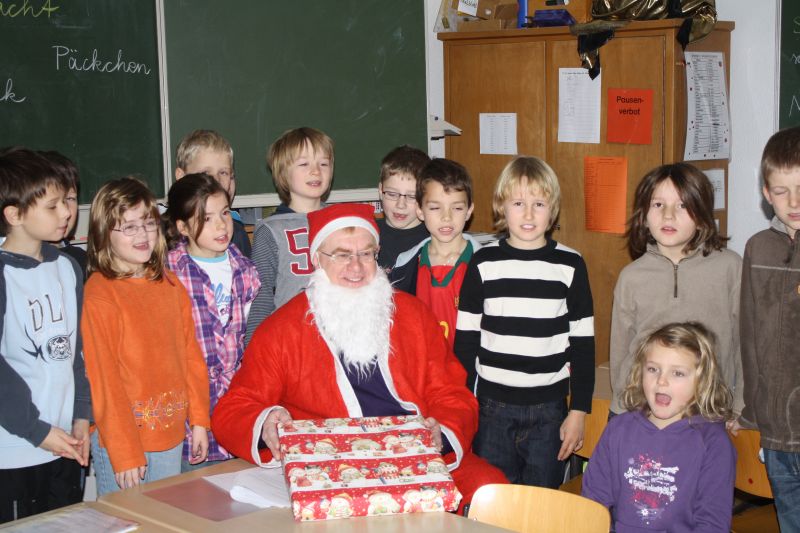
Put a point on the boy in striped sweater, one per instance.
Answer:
(525, 333)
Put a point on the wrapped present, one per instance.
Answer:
(342, 467)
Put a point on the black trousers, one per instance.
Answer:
(36, 489)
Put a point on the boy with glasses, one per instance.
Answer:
(400, 228)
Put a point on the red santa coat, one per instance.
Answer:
(289, 364)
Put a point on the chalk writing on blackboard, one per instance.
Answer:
(9, 96)
(794, 105)
(25, 9)
(67, 57)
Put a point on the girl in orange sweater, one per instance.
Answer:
(145, 368)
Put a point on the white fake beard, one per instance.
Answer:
(354, 321)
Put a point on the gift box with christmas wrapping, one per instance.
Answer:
(337, 468)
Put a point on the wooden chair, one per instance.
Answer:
(527, 509)
(594, 425)
(751, 478)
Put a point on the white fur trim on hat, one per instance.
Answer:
(341, 223)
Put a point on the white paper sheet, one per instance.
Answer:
(498, 133)
(717, 178)
(82, 519)
(262, 487)
(708, 119)
(578, 106)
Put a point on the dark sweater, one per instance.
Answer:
(396, 241)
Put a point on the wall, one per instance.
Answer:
(753, 98)
(754, 109)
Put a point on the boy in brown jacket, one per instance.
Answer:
(770, 336)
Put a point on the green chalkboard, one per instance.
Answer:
(252, 69)
(789, 110)
(81, 77)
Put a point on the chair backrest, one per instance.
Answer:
(528, 509)
(594, 424)
(751, 474)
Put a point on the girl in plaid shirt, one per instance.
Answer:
(221, 283)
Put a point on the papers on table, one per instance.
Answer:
(75, 519)
(262, 487)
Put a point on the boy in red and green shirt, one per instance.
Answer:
(434, 269)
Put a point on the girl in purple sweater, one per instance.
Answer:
(667, 464)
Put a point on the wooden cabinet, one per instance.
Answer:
(516, 71)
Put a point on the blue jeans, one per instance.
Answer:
(522, 440)
(159, 465)
(783, 471)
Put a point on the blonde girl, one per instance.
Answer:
(221, 282)
(667, 464)
(146, 371)
(681, 273)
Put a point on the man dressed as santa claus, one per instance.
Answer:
(350, 346)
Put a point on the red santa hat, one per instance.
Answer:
(338, 216)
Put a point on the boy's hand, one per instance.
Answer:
(130, 478)
(199, 445)
(60, 443)
(571, 434)
(80, 431)
(269, 431)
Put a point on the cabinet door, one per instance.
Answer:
(493, 78)
(628, 62)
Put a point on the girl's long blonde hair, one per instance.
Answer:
(108, 207)
(712, 398)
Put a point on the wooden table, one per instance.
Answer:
(137, 503)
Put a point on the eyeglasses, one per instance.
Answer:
(394, 196)
(364, 257)
(131, 229)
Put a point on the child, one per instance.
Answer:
(435, 268)
(221, 282)
(44, 395)
(400, 227)
(770, 332)
(208, 151)
(67, 169)
(525, 332)
(667, 464)
(144, 365)
(301, 161)
(681, 272)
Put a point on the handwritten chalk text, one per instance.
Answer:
(26, 10)
(70, 58)
(9, 96)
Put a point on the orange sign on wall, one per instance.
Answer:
(630, 116)
(605, 184)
